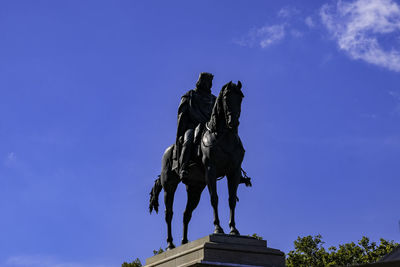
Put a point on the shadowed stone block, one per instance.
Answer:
(220, 250)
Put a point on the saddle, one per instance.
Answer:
(196, 149)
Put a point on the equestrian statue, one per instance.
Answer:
(206, 149)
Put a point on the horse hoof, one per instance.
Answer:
(234, 231)
(218, 230)
(170, 246)
(184, 241)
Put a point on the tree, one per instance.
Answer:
(309, 251)
(137, 263)
(159, 251)
(256, 236)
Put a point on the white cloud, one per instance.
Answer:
(296, 33)
(326, 59)
(357, 26)
(369, 116)
(264, 36)
(287, 11)
(11, 159)
(11, 156)
(273, 33)
(42, 261)
(396, 96)
(270, 34)
(309, 22)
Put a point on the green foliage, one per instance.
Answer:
(159, 251)
(256, 236)
(309, 251)
(135, 263)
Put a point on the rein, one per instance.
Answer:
(226, 129)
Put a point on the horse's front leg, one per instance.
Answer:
(211, 180)
(233, 182)
(193, 198)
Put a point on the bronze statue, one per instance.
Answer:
(219, 153)
(194, 111)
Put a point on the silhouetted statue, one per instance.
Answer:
(219, 153)
(194, 111)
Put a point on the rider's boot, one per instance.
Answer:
(184, 172)
(185, 155)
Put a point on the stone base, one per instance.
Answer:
(220, 250)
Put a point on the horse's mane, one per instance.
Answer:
(217, 109)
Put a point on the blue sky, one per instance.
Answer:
(89, 92)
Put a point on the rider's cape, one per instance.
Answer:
(195, 108)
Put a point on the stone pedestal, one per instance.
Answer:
(220, 250)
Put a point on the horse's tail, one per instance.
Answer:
(155, 191)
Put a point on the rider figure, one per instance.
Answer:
(195, 108)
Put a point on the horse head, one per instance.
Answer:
(232, 101)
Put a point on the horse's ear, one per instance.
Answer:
(239, 85)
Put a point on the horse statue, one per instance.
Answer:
(221, 154)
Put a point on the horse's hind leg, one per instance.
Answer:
(233, 182)
(169, 193)
(193, 198)
(169, 181)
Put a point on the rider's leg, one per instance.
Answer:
(186, 153)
